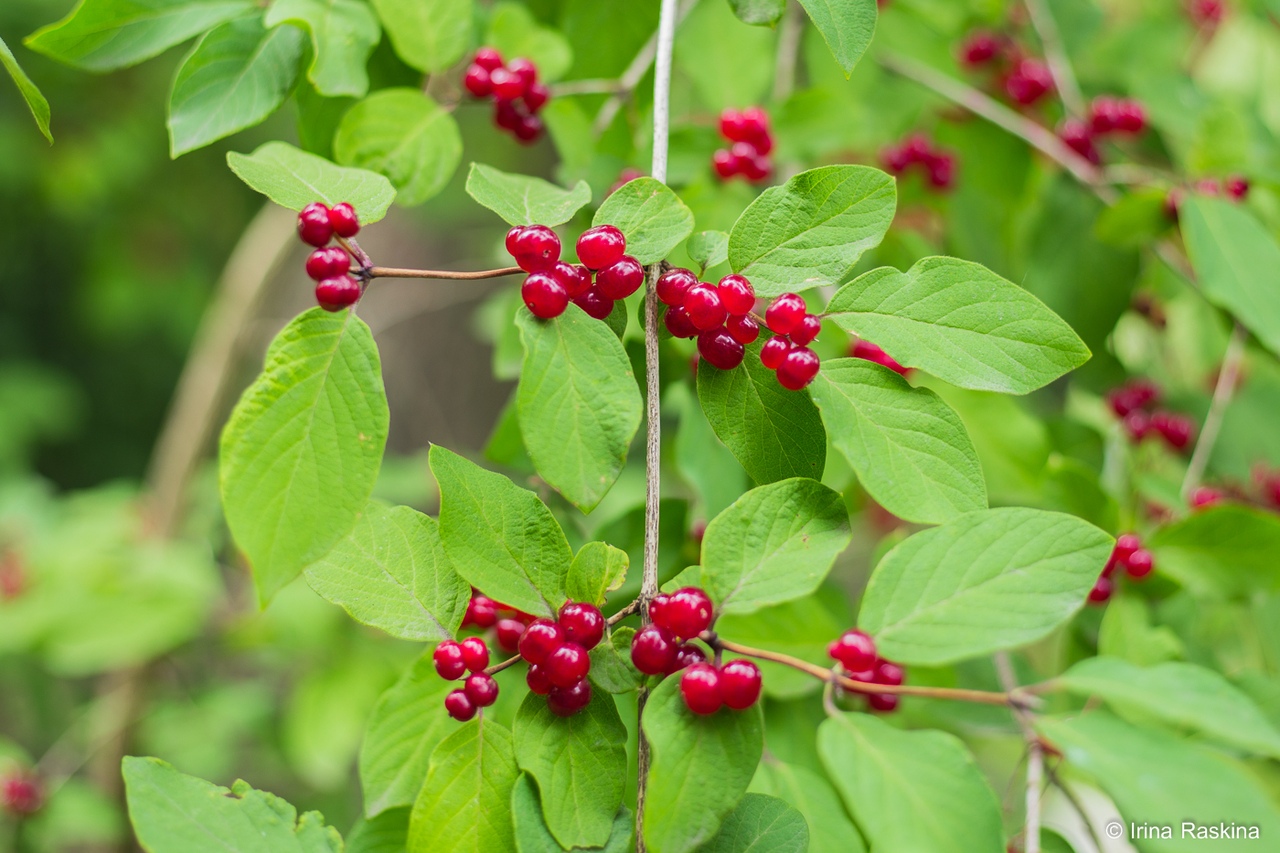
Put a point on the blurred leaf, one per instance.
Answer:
(758, 12)
(294, 179)
(652, 217)
(36, 101)
(830, 830)
(525, 200)
(386, 833)
(1222, 551)
(846, 26)
(761, 824)
(465, 805)
(1072, 487)
(325, 717)
(343, 35)
(532, 835)
(597, 570)
(711, 39)
(708, 248)
(1135, 220)
(1126, 632)
(515, 33)
(429, 35)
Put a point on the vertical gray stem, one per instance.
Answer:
(1222, 394)
(1055, 51)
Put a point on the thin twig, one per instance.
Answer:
(623, 613)
(586, 87)
(501, 665)
(633, 74)
(454, 275)
(1228, 375)
(353, 249)
(1035, 754)
(1055, 51)
(1056, 781)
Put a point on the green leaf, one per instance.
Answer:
(776, 543)
(525, 200)
(175, 813)
(1227, 246)
(103, 35)
(701, 768)
(404, 729)
(515, 32)
(708, 248)
(597, 570)
(830, 830)
(237, 75)
(1126, 632)
(761, 824)
(386, 833)
(611, 667)
(701, 458)
(404, 135)
(532, 835)
(579, 763)
(1182, 695)
(811, 230)
(846, 26)
(652, 217)
(30, 93)
(578, 403)
(319, 399)
(910, 449)
(500, 537)
(758, 12)
(343, 35)
(1226, 551)
(390, 572)
(910, 790)
(774, 433)
(465, 804)
(962, 323)
(986, 581)
(293, 179)
(429, 35)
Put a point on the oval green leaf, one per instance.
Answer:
(465, 804)
(343, 35)
(429, 35)
(294, 179)
(525, 200)
(846, 26)
(761, 824)
(652, 217)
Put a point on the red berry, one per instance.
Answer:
(1131, 117)
(334, 294)
(488, 58)
(313, 224)
(582, 623)
(895, 159)
(785, 313)
(687, 612)
(344, 220)
(733, 126)
(720, 348)
(940, 170)
(1139, 564)
(567, 701)
(475, 654)
(725, 164)
(512, 242)
(537, 680)
(482, 612)
(1236, 186)
(528, 129)
(509, 632)
(740, 684)
(674, 284)
(477, 81)
(544, 295)
(481, 689)
(536, 96)
(448, 660)
(755, 167)
(1126, 544)
(653, 649)
(507, 115)
(1103, 114)
(1206, 496)
(855, 650)
(524, 69)
(774, 351)
(687, 654)
(507, 85)
(706, 311)
(1029, 81)
(21, 795)
(1176, 429)
(744, 329)
(1101, 591)
(567, 665)
(574, 278)
(678, 323)
(621, 279)
(888, 673)
(328, 262)
(916, 148)
(1077, 136)
(979, 48)
(808, 329)
(883, 702)
(540, 639)
(1137, 424)
(595, 303)
(798, 368)
(700, 686)
(737, 295)
(536, 248)
(459, 706)
(602, 246)
(658, 608)
(755, 124)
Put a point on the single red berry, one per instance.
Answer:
(725, 164)
(733, 126)
(1078, 136)
(448, 660)
(1131, 117)
(917, 148)
(477, 81)
(602, 246)
(700, 687)
(678, 323)
(481, 689)
(1137, 424)
(774, 351)
(674, 284)
(1126, 544)
(808, 329)
(1101, 592)
(328, 262)
(544, 296)
(567, 701)
(459, 706)
(737, 295)
(536, 96)
(1206, 496)
(488, 58)
(537, 248)
(1207, 13)
(706, 311)
(798, 368)
(582, 623)
(687, 612)
(687, 654)
(482, 612)
(334, 294)
(621, 279)
(884, 702)
(1104, 112)
(1236, 187)
(507, 115)
(507, 85)
(785, 313)
(889, 673)
(528, 129)
(21, 796)
(744, 329)
(940, 169)
(537, 680)
(1139, 564)
(540, 639)
(475, 654)
(313, 224)
(979, 48)
(509, 632)
(653, 649)
(658, 608)
(574, 278)
(512, 241)
(1176, 429)
(720, 348)
(567, 665)
(344, 220)
(755, 124)
(895, 159)
(740, 684)
(595, 303)
(755, 168)
(524, 69)
(855, 650)
(1028, 82)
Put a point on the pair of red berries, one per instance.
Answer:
(1025, 80)
(517, 95)
(553, 283)
(557, 654)
(21, 794)
(661, 648)
(1233, 188)
(787, 352)
(938, 166)
(453, 660)
(718, 315)
(855, 651)
(329, 265)
(868, 351)
(750, 140)
(1129, 555)
(1107, 115)
(707, 688)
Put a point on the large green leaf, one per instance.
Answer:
(238, 74)
(532, 835)
(701, 768)
(652, 217)
(102, 35)
(846, 26)
(1228, 247)
(293, 179)
(960, 322)
(761, 824)
(36, 101)
(597, 570)
(499, 536)
(465, 804)
(910, 790)
(1182, 695)
(578, 403)
(811, 230)
(403, 134)
(429, 35)
(772, 432)
(175, 813)
(1223, 551)
(319, 399)
(579, 763)
(390, 572)
(986, 581)
(343, 35)
(523, 199)
(776, 543)
(830, 830)
(910, 449)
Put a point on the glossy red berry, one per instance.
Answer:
(524, 69)
(1028, 82)
(459, 706)
(567, 665)
(574, 278)
(653, 649)
(488, 58)
(595, 303)
(1078, 136)
(544, 295)
(940, 171)
(774, 351)
(476, 81)
(700, 687)
(740, 684)
(720, 348)
(1236, 187)
(482, 612)
(1176, 429)
(1139, 564)
(798, 368)
(674, 284)
(448, 660)
(889, 673)
(528, 129)
(536, 96)
(328, 262)
(602, 246)
(481, 689)
(567, 701)
(1126, 544)
(687, 612)
(313, 224)
(658, 608)
(475, 654)
(334, 294)
(508, 633)
(582, 623)
(979, 48)
(751, 165)
(540, 639)
(744, 329)
(785, 313)
(736, 294)
(1101, 592)
(855, 650)
(507, 115)
(537, 680)
(733, 126)
(1103, 114)
(344, 220)
(706, 311)
(687, 654)
(725, 164)
(621, 279)
(1205, 496)
(678, 323)
(21, 796)
(755, 125)
(803, 334)
(883, 702)
(507, 85)
(1130, 117)
(536, 248)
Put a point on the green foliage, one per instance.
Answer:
(343, 34)
(761, 823)
(758, 12)
(523, 200)
(597, 570)
(846, 26)
(532, 835)
(708, 248)
(294, 179)
(830, 830)
(515, 32)
(1225, 551)
(652, 217)
(429, 36)
(36, 101)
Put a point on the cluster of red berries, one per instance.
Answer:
(787, 353)
(1206, 13)
(552, 283)
(750, 141)
(1107, 115)
(21, 794)
(1233, 188)
(1132, 403)
(938, 166)
(1025, 80)
(855, 651)
(718, 315)
(455, 659)
(1128, 554)
(870, 352)
(330, 266)
(517, 94)
(508, 623)
(557, 654)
